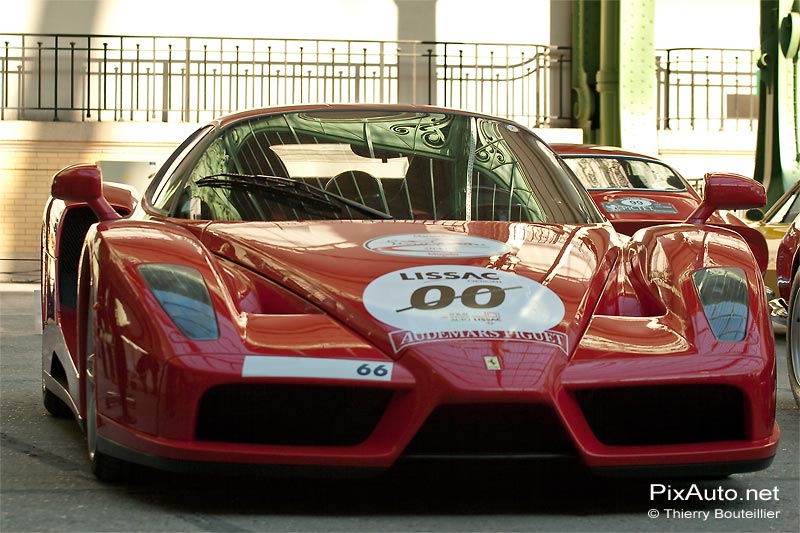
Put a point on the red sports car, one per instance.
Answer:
(787, 266)
(635, 191)
(344, 287)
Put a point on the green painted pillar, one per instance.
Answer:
(585, 64)
(637, 76)
(777, 163)
(613, 72)
(608, 75)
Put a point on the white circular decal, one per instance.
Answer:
(439, 298)
(636, 202)
(436, 245)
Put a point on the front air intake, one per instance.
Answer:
(290, 415)
(528, 430)
(667, 414)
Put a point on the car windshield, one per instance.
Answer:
(786, 209)
(624, 173)
(357, 164)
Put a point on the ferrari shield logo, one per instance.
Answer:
(492, 362)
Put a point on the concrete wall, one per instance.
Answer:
(694, 154)
(32, 152)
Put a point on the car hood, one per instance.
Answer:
(404, 284)
(645, 204)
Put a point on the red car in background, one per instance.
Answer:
(788, 275)
(635, 191)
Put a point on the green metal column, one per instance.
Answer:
(777, 163)
(585, 64)
(637, 76)
(613, 72)
(608, 75)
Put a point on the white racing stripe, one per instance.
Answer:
(315, 367)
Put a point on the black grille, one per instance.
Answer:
(491, 429)
(291, 415)
(74, 226)
(671, 414)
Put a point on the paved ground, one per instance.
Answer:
(45, 483)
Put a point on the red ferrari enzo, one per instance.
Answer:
(345, 287)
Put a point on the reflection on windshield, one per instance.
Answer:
(623, 173)
(402, 165)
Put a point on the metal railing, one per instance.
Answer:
(707, 89)
(194, 79)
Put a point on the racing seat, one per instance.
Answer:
(636, 181)
(359, 186)
(256, 157)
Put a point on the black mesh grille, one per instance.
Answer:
(491, 429)
(676, 414)
(74, 225)
(290, 414)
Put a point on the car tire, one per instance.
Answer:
(105, 468)
(793, 339)
(54, 405)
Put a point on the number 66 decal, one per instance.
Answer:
(435, 298)
(367, 369)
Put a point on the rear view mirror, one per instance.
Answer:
(727, 191)
(83, 184)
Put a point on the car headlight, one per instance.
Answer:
(182, 293)
(724, 296)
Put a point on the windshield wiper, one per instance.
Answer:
(289, 189)
(280, 192)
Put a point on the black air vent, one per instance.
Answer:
(670, 414)
(489, 430)
(292, 415)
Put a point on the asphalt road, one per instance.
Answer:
(46, 485)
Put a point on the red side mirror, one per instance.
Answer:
(727, 191)
(83, 183)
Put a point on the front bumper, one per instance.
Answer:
(424, 413)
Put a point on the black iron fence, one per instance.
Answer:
(707, 89)
(194, 79)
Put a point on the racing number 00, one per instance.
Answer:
(447, 295)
